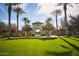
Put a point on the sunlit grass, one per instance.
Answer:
(37, 47)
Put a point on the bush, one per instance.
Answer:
(42, 34)
(33, 34)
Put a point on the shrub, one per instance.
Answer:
(33, 34)
(42, 34)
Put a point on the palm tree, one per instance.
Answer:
(48, 20)
(65, 13)
(27, 27)
(48, 27)
(65, 9)
(26, 21)
(9, 16)
(18, 10)
(56, 13)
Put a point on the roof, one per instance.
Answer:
(37, 23)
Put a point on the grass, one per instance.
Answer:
(40, 47)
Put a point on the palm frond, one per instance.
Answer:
(71, 5)
(57, 11)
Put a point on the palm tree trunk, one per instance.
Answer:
(56, 25)
(65, 13)
(65, 20)
(17, 22)
(25, 23)
(9, 21)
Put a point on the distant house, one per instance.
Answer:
(37, 28)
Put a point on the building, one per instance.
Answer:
(37, 28)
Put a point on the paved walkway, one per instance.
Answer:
(52, 36)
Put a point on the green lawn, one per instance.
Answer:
(40, 47)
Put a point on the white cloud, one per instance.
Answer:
(73, 10)
(12, 21)
(21, 23)
(47, 8)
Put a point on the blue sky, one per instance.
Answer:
(36, 12)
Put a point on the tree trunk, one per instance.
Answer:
(25, 22)
(9, 21)
(65, 20)
(65, 13)
(56, 25)
(17, 23)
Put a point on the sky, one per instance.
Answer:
(37, 12)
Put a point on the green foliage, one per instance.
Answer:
(3, 28)
(48, 26)
(74, 25)
(42, 34)
(33, 34)
(27, 28)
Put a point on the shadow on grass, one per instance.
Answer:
(29, 38)
(47, 38)
(68, 53)
(74, 39)
(14, 38)
(75, 47)
(64, 46)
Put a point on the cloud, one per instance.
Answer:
(21, 23)
(47, 8)
(73, 10)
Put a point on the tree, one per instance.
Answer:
(13, 30)
(48, 20)
(74, 25)
(26, 21)
(48, 26)
(65, 13)
(27, 28)
(9, 16)
(56, 13)
(18, 10)
(61, 29)
(3, 28)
